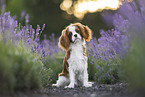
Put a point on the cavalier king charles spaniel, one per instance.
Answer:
(73, 41)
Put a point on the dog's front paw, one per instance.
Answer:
(87, 85)
(55, 85)
(70, 86)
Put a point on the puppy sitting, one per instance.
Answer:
(75, 64)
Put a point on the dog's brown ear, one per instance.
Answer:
(87, 33)
(64, 41)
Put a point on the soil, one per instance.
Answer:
(101, 90)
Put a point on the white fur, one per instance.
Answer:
(62, 81)
(73, 30)
(77, 64)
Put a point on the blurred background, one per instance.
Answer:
(57, 14)
(115, 56)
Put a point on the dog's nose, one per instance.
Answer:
(75, 35)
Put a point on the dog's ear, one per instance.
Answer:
(87, 34)
(64, 41)
(85, 31)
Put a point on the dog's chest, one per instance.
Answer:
(76, 51)
(77, 60)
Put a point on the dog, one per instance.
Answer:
(73, 41)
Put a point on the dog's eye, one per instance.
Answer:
(70, 34)
(78, 31)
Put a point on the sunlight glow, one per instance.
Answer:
(81, 7)
(66, 4)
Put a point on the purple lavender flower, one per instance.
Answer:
(11, 29)
(27, 18)
(3, 6)
(98, 67)
(23, 13)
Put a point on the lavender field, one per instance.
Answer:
(117, 56)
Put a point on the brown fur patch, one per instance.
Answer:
(65, 64)
(64, 43)
(85, 31)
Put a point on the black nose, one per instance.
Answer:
(75, 35)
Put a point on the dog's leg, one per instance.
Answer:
(72, 79)
(85, 79)
(62, 81)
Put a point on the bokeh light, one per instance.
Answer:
(81, 7)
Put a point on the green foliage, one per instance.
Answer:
(46, 75)
(15, 7)
(134, 65)
(54, 62)
(19, 68)
(103, 71)
(7, 80)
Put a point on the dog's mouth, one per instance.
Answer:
(77, 39)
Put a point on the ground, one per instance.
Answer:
(101, 90)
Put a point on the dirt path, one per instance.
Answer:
(95, 91)
(101, 90)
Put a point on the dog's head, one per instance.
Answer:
(73, 33)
